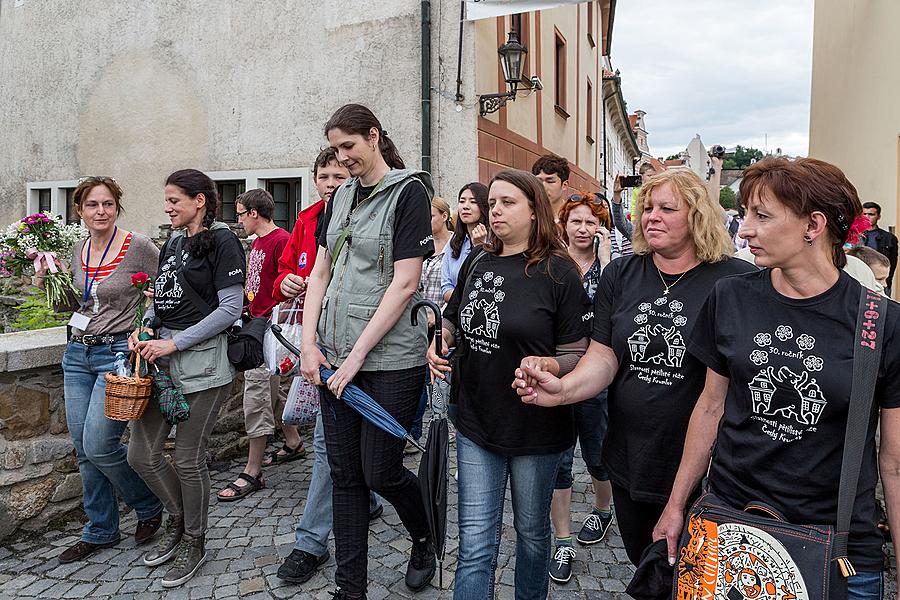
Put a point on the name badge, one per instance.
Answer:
(79, 321)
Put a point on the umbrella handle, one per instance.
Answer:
(432, 329)
(276, 331)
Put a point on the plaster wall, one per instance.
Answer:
(854, 113)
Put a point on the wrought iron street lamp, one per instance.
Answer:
(512, 57)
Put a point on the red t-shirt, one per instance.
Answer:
(262, 271)
(300, 254)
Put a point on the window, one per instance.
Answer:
(560, 75)
(286, 193)
(590, 24)
(228, 193)
(590, 111)
(44, 200)
(520, 24)
(71, 213)
(51, 197)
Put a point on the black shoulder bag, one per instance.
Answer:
(462, 345)
(245, 344)
(726, 553)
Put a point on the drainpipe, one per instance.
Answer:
(426, 85)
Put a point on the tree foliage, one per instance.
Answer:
(727, 198)
(742, 157)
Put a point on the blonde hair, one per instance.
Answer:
(443, 207)
(707, 231)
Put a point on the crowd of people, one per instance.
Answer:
(639, 337)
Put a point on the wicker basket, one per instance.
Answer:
(127, 397)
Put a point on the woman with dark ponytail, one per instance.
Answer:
(375, 236)
(198, 295)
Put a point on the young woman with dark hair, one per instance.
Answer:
(203, 261)
(521, 296)
(375, 236)
(791, 326)
(471, 231)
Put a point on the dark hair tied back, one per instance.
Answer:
(193, 183)
(358, 119)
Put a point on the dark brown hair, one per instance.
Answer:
(552, 164)
(358, 119)
(88, 183)
(870, 256)
(596, 204)
(326, 156)
(259, 200)
(480, 192)
(805, 186)
(543, 241)
(193, 183)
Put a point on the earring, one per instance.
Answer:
(807, 239)
(373, 146)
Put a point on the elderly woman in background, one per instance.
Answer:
(644, 310)
(102, 268)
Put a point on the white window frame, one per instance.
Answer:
(57, 195)
(256, 178)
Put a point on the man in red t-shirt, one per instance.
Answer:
(255, 209)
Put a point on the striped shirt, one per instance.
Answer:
(104, 271)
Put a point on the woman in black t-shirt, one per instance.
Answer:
(521, 296)
(778, 347)
(643, 311)
(204, 264)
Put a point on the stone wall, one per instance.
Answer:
(39, 479)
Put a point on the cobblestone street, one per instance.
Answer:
(248, 539)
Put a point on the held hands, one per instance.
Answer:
(133, 338)
(310, 360)
(536, 385)
(293, 285)
(479, 233)
(153, 350)
(669, 528)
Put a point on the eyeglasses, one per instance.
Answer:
(242, 213)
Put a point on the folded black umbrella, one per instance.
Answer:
(653, 578)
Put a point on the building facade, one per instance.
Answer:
(242, 91)
(854, 113)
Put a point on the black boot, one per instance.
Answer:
(422, 565)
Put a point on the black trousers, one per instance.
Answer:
(362, 458)
(636, 522)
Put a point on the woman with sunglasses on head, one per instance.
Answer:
(521, 296)
(376, 234)
(102, 268)
(644, 309)
(471, 232)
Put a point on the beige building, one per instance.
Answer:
(855, 107)
(242, 90)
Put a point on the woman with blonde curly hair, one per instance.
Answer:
(644, 310)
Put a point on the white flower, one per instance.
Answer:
(473, 294)
(499, 295)
(488, 276)
(784, 333)
(498, 280)
(758, 357)
(675, 306)
(645, 306)
(640, 319)
(813, 363)
(680, 320)
(763, 339)
(660, 301)
(478, 284)
(806, 342)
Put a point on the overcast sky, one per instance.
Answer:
(730, 70)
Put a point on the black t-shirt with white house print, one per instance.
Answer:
(506, 316)
(223, 267)
(781, 437)
(657, 385)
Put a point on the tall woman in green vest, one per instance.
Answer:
(374, 238)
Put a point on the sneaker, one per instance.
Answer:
(167, 544)
(594, 528)
(377, 512)
(81, 550)
(422, 565)
(189, 557)
(339, 595)
(410, 448)
(561, 565)
(300, 566)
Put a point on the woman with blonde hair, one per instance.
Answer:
(644, 310)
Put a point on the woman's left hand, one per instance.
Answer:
(152, 350)
(345, 373)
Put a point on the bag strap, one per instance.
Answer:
(868, 340)
(189, 291)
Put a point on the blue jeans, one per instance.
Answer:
(868, 585)
(482, 484)
(315, 525)
(102, 458)
(591, 423)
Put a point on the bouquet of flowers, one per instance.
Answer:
(37, 239)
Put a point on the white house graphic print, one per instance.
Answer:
(657, 346)
(786, 398)
(480, 317)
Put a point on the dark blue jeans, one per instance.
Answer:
(591, 423)
(102, 458)
(868, 585)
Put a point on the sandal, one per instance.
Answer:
(289, 454)
(242, 491)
